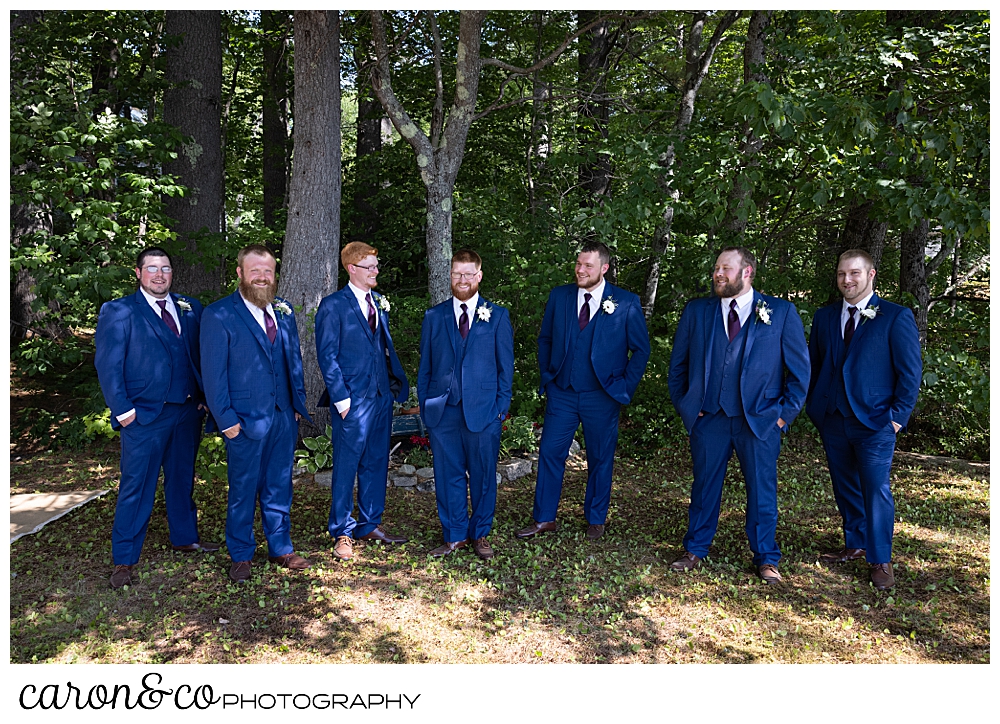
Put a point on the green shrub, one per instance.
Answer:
(211, 461)
(318, 452)
(517, 435)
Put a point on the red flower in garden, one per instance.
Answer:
(423, 442)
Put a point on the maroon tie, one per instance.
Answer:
(463, 321)
(167, 317)
(849, 327)
(272, 331)
(371, 312)
(734, 321)
(585, 311)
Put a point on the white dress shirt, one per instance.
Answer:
(844, 315)
(595, 298)
(259, 313)
(172, 311)
(471, 304)
(360, 295)
(744, 305)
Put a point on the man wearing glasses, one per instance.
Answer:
(363, 376)
(148, 361)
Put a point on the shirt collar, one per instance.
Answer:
(153, 300)
(863, 304)
(256, 311)
(596, 293)
(470, 303)
(359, 294)
(741, 301)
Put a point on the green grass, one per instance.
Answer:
(557, 598)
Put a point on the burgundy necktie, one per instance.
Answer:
(585, 311)
(463, 321)
(167, 317)
(849, 327)
(371, 312)
(734, 321)
(272, 331)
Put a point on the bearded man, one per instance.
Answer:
(464, 386)
(592, 351)
(252, 370)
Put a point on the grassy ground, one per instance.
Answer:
(555, 599)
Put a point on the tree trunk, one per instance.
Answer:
(369, 144)
(913, 272)
(540, 140)
(274, 25)
(593, 111)
(311, 251)
(193, 105)
(863, 232)
(697, 63)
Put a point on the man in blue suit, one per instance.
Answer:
(592, 351)
(147, 362)
(866, 372)
(739, 371)
(363, 376)
(252, 367)
(464, 388)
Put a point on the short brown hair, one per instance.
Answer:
(256, 249)
(857, 254)
(356, 251)
(467, 256)
(746, 257)
(603, 252)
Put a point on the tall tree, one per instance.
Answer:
(367, 147)
(193, 104)
(594, 108)
(311, 250)
(274, 38)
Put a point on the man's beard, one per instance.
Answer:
(466, 294)
(259, 295)
(730, 289)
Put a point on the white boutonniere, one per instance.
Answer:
(183, 306)
(868, 313)
(383, 303)
(282, 307)
(609, 305)
(483, 312)
(763, 312)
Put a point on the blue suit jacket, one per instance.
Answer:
(133, 357)
(615, 336)
(487, 367)
(882, 370)
(346, 353)
(238, 368)
(775, 374)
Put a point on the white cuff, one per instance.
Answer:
(122, 418)
(342, 405)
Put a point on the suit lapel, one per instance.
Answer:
(353, 301)
(862, 324)
(187, 335)
(751, 325)
(153, 319)
(836, 334)
(476, 325)
(712, 319)
(572, 316)
(248, 319)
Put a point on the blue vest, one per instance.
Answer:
(282, 380)
(381, 361)
(455, 389)
(723, 391)
(182, 382)
(577, 371)
(838, 400)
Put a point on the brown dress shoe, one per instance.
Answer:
(686, 562)
(343, 548)
(292, 561)
(239, 571)
(842, 556)
(448, 549)
(882, 577)
(535, 528)
(380, 535)
(594, 532)
(482, 548)
(769, 573)
(122, 576)
(200, 546)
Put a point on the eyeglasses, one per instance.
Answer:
(465, 276)
(155, 269)
(373, 267)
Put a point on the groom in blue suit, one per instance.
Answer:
(739, 371)
(464, 388)
(363, 376)
(252, 367)
(147, 360)
(592, 351)
(866, 372)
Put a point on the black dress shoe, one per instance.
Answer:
(594, 532)
(380, 535)
(200, 546)
(448, 548)
(842, 556)
(535, 528)
(122, 576)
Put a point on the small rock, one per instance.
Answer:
(324, 478)
(574, 447)
(425, 474)
(407, 470)
(404, 481)
(515, 468)
(499, 479)
(533, 459)
(426, 487)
